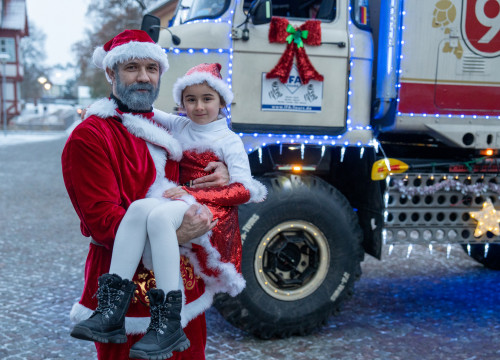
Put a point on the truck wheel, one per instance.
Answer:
(491, 261)
(301, 255)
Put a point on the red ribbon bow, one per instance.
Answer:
(278, 34)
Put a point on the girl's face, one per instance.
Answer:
(202, 103)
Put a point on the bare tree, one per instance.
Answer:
(32, 50)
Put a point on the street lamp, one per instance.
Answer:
(42, 80)
(4, 57)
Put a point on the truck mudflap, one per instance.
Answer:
(301, 256)
(447, 208)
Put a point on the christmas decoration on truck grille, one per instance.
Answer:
(309, 33)
(487, 219)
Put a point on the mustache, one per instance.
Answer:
(137, 86)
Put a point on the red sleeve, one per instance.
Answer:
(230, 195)
(92, 186)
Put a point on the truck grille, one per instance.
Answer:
(435, 208)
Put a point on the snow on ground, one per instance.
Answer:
(18, 137)
(46, 113)
(43, 113)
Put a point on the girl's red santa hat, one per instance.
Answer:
(209, 73)
(129, 44)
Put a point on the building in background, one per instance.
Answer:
(13, 27)
(164, 10)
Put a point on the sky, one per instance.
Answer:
(63, 21)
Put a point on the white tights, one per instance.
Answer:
(157, 221)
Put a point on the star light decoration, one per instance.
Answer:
(487, 219)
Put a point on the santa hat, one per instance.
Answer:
(129, 44)
(209, 73)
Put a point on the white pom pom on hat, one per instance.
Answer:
(129, 44)
(209, 73)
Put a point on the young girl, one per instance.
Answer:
(148, 229)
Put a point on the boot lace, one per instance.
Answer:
(107, 299)
(159, 315)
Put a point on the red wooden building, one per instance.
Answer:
(13, 26)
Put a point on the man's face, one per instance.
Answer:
(136, 83)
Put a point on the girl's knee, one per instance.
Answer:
(158, 218)
(168, 215)
(142, 207)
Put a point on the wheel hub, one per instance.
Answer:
(292, 260)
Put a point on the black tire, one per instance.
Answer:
(492, 259)
(301, 256)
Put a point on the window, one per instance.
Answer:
(201, 9)
(303, 9)
(8, 46)
(360, 13)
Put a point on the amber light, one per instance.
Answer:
(296, 167)
(488, 152)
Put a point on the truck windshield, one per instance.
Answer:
(189, 10)
(302, 9)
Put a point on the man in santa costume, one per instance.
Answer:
(107, 164)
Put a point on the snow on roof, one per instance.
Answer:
(14, 15)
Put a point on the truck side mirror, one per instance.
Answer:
(261, 12)
(151, 25)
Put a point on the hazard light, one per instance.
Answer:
(488, 152)
(296, 167)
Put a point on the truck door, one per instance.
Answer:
(269, 105)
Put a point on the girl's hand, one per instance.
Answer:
(174, 193)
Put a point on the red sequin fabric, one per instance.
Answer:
(222, 202)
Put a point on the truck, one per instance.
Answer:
(371, 122)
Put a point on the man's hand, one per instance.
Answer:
(219, 176)
(196, 222)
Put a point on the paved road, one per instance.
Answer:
(423, 308)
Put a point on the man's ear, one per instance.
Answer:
(111, 74)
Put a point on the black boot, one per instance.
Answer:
(107, 323)
(165, 332)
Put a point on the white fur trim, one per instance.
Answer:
(159, 156)
(203, 147)
(155, 134)
(130, 50)
(98, 56)
(258, 192)
(229, 280)
(103, 108)
(196, 307)
(133, 325)
(158, 188)
(198, 78)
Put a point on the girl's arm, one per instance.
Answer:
(229, 195)
(170, 121)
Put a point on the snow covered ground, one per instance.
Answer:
(18, 137)
(46, 114)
